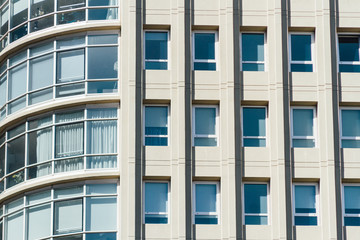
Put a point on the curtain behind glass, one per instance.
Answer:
(97, 210)
(38, 221)
(69, 140)
(102, 137)
(40, 149)
(12, 231)
(68, 216)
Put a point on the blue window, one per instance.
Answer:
(350, 128)
(204, 51)
(301, 59)
(303, 127)
(206, 203)
(156, 50)
(351, 205)
(156, 125)
(253, 51)
(156, 202)
(205, 126)
(254, 126)
(349, 50)
(305, 205)
(256, 204)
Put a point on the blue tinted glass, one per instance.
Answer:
(258, 67)
(156, 45)
(156, 141)
(102, 2)
(352, 199)
(256, 220)
(252, 47)
(349, 68)
(206, 219)
(253, 142)
(205, 121)
(205, 142)
(156, 197)
(352, 221)
(103, 87)
(204, 45)
(303, 143)
(205, 66)
(305, 221)
(19, 33)
(102, 62)
(349, 48)
(301, 67)
(156, 218)
(305, 199)
(103, 14)
(156, 120)
(101, 236)
(301, 47)
(350, 143)
(156, 65)
(303, 122)
(205, 197)
(255, 198)
(350, 123)
(254, 122)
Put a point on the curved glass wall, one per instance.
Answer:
(76, 65)
(21, 17)
(69, 140)
(63, 212)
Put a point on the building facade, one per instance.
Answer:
(179, 119)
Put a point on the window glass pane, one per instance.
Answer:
(19, 12)
(103, 87)
(156, 120)
(68, 192)
(16, 154)
(199, 141)
(103, 14)
(252, 47)
(17, 58)
(251, 142)
(102, 39)
(68, 216)
(206, 219)
(303, 143)
(71, 66)
(101, 236)
(40, 96)
(2, 161)
(103, 2)
(349, 68)
(256, 220)
(4, 20)
(205, 198)
(69, 116)
(3, 90)
(70, 4)
(156, 197)
(204, 45)
(352, 199)
(41, 7)
(205, 121)
(204, 66)
(15, 205)
(305, 199)
(349, 48)
(40, 146)
(69, 140)
(350, 143)
(156, 45)
(102, 137)
(19, 33)
(101, 162)
(97, 210)
(16, 105)
(350, 123)
(16, 131)
(300, 47)
(253, 67)
(41, 122)
(351, 221)
(12, 226)
(67, 165)
(43, 48)
(109, 188)
(71, 17)
(98, 113)
(303, 122)
(156, 141)
(254, 122)
(102, 62)
(72, 237)
(255, 198)
(70, 90)
(39, 170)
(70, 42)
(41, 72)
(38, 197)
(38, 221)
(156, 65)
(301, 67)
(305, 221)
(17, 81)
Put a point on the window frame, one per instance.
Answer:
(168, 124)
(312, 62)
(314, 137)
(217, 122)
(266, 125)
(168, 203)
(265, 51)
(268, 214)
(350, 34)
(343, 202)
(317, 203)
(218, 205)
(168, 49)
(340, 125)
(216, 46)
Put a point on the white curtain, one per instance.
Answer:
(102, 137)
(70, 140)
(43, 150)
(102, 162)
(68, 165)
(112, 12)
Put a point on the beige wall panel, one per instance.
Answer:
(206, 12)
(304, 86)
(308, 232)
(157, 84)
(158, 161)
(349, 13)
(255, 86)
(352, 232)
(207, 85)
(257, 232)
(158, 231)
(158, 168)
(306, 162)
(207, 161)
(207, 231)
(350, 87)
(302, 13)
(157, 12)
(350, 158)
(257, 162)
(254, 12)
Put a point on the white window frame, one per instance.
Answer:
(168, 49)
(266, 125)
(216, 45)
(168, 203)
(267, 200)
(168, 123)
(314, 137)
(317, 205)
(216, 135)
(340, 127)
(312, 50)
(254, 62)
(217, 213)
(343, 202)
(338, 49)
